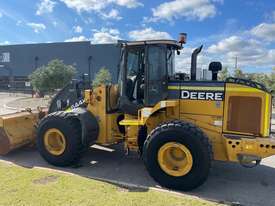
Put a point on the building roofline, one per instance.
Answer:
(43, 43)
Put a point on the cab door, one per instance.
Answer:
(156, 75)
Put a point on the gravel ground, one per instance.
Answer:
(28, 102)
(5, 98)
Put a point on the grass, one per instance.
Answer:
(22, 186)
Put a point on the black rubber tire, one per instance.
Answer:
(142, 135)
(71, 129)
(192, 138)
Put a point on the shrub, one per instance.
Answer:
(103, 76)
(53, 76)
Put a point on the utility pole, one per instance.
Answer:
(90, 62)
(236, 63)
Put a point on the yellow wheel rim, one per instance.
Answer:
(55, 142)
(175, 159)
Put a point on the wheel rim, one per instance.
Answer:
(175, 159)
(55, 142)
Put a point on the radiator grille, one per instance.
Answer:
(244, 114)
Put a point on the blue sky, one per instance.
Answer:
(227, 28)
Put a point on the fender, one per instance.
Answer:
(145, 113)
(89, 125)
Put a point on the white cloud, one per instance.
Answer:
(45, 6)
(5, 43)
(77, 29)
(88, 20)
(129, 3)
(191, 9)
(1, 15)
(148, 34)
(183, 61)
(55, 23)
(264, 31)
(247, 46)
(113, 14)
(105, 35)
(235, 44)
(102, 36)
(37, 27)
(19, 23)
(98, 5)
(249, 51)
(77, 39)
(86, 5)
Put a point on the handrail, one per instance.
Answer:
(247, 82)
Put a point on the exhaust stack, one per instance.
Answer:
(194, 62)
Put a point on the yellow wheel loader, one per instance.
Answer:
(177, 123)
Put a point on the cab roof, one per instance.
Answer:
(152, 42)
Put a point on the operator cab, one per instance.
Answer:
(145, 67)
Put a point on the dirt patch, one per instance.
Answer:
(29, 102)
(46, 180)
(124, 188)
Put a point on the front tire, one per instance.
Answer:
(178, 155)
(59, 139)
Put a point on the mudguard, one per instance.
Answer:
(89, 125)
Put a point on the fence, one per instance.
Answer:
(15, 84)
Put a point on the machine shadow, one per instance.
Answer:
(227, 182)
(109, 165)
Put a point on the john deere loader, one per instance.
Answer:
(177, 123)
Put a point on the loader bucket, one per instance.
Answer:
(18, 129)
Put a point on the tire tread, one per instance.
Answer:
(75, 127)
(189, 128)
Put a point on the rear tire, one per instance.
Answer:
(71, 130)
(193, 141)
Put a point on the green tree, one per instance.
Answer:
(103, 76)
(267, 79)
(224, 74)
(259, 77)
(272, 81)
(238, 73)
(53, 76)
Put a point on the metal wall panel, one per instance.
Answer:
(21, 60)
